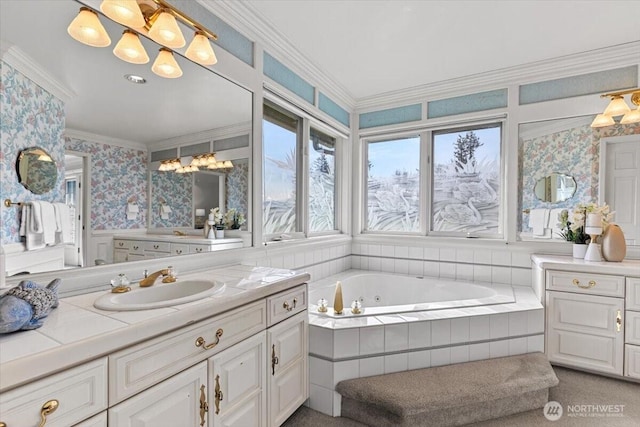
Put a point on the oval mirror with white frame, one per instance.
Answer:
(555, 187)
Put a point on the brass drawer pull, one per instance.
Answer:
(179, 251)
(218, 394)
(590, 285)
(156, 246)
(274, 359)
(49, 407)
(289, 307)
(200, 342)
(204, 406)
(618, 321)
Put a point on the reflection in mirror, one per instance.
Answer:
(36, 169)
(569, 145)
(117, 124)
(555, 188)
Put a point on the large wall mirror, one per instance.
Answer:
(118, 124)
(565, 161)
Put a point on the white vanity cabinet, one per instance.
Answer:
(127, 248)
(592, 320)
(77, 394)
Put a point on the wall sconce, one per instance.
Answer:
(618, 107)
(161, 26)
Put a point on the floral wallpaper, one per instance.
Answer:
(176, 189)
(575, 152)
(117, 175)
(29, 116)
(237, 187)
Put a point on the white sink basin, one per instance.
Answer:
(159, 295)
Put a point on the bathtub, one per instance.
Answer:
(384, 293)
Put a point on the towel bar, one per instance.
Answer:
(8, 203)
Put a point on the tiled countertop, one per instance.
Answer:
(629, 267)
(76, 332)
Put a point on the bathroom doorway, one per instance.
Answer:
(75, 172)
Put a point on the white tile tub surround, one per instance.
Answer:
(374, 345)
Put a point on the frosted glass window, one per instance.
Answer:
(393, 185)
(322, 182)
(467, 180)
(279, 139)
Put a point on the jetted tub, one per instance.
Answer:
(384, 293)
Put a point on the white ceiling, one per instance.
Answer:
(374, 47)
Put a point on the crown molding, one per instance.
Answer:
(246, 19)
(548, 127)
(566, 66)
(101, 139)
(16, 58)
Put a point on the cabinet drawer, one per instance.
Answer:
(632, 361)
(587, 283)
(179, 248)
(81, 392)
(196, 249)
(286, 304)
(137, 247)
(157, 246)
(122, 244)
(150, 362)
(632, 327)
(633, 293)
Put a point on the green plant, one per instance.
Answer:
(573, 227)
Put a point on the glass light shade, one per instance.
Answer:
(227, 164)
(617, 107)
(87, 29)
(602, 120)
(211, 159)
(213, 165)
(165, 65)
(129, 49)
(632, 116)
(125, 12)
(166, 32)
(200, 50)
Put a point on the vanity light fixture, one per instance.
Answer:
(129, 48)
(87, 29)
(160, 21)
(170, 165)
(221, 165)
(166, 65)
(618, 107)
(203, 160)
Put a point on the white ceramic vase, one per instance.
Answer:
(614, 247)
(579, 250)
(219, 234)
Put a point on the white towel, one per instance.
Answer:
(48, 223)
(63, 220)
(33, 240)
(36, 218)
(538, 221)
(554, 223)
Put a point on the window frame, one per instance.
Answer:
(426, 189)
(303, 134)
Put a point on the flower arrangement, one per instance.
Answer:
(573, 226)
(216, 216)
(233, 219)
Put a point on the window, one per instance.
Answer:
(297, 199)
(279, 142)
(322, 182)
(393, 185)
(466, 180)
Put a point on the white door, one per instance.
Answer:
(173, 402)
(287, 387)
(622, 185)
(237, 395)
(585, 331)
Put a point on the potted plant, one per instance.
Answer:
(572, 226)
(218, 223)
(233, 219)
